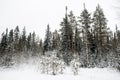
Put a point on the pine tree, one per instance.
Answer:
(16, 33)
(73, 24)
(47, 41)
(72, 21)
(33, 42)
(85, 20)
(4, 42)
(16, 38)
(67, 39)
(29, 45)
(23, 37)
(100, 30)
(92, 47)
(117, 55)
(77, 41)
(67, 34)
(11, 41)
(41, 46)
(56, 41)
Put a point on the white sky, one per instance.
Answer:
(36, 14)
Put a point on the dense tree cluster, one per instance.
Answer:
(86, 36)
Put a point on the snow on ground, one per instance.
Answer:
(25, 72)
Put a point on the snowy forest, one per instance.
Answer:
(82, 41)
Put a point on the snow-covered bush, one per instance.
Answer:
(7, 61)
(56, 65)
(52, 64)
(44, 64)
(61, 66)
(75, 64)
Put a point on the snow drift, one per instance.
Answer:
(31, 72)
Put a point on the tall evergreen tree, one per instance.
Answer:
(33, 42)
(16, 38)
(41, 46)
(23, 37)
(72, 21)
(100, 30)
(29, 45)
(4, 42)
(85, 20)
(73, 25)
(77, 41)
(47, 41)
(67, 39)
(56, 40)
(11, 41)
(16, 34)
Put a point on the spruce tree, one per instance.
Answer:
(47, 41)
(11, 41)
(16, 38)
(67, 39)
(23, 37)
(4, 42)
(77, 41)
(41, 46)
(29, 45)
(100, 30)
(56, 40)
(85, 20)
(33, 42)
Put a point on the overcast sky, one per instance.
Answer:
(36, 14)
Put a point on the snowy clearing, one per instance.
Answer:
(33, 73)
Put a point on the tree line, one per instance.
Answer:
(86, 36)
